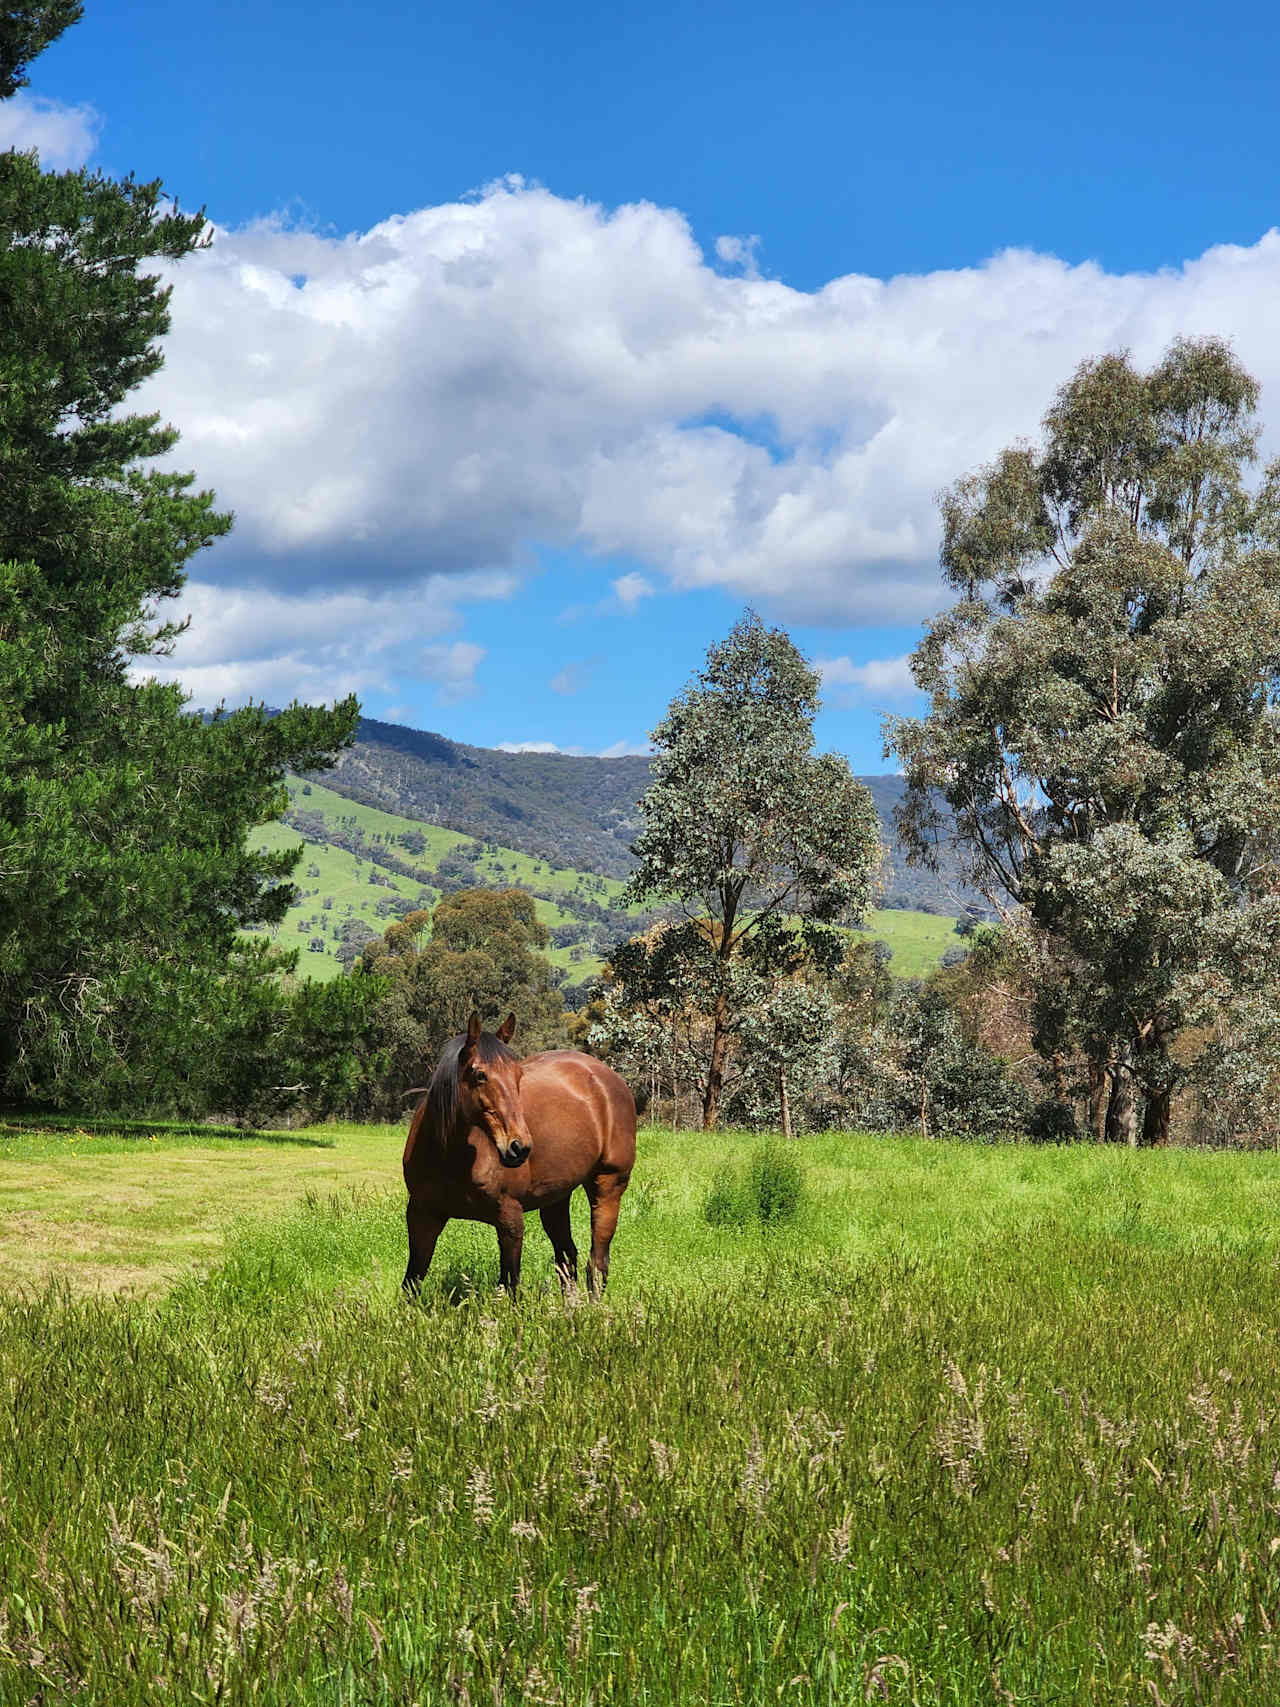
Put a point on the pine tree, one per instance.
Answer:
(125, 880)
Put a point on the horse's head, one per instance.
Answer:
(489, 1090)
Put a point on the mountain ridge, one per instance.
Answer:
(574, 810)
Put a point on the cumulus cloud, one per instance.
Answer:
(529, 747)
(879, 678)
(64, 137)
(739, 252)
(262, 644)
(462, 385)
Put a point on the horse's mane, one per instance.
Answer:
(442, 1092)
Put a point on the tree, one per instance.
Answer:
(482, 950)
(123, 817)
(762, 844)
(1101, 742)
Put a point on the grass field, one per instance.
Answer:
(981, 1425)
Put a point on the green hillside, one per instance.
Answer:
(918, 940)
(362, 866)
(578, 811)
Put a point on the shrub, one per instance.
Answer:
(766, 1192)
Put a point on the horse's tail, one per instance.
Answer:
(641, 1096)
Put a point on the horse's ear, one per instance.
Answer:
(507, 1030)
(473, 1030)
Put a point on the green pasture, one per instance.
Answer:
(503, 866)
(348, 881)
(917, 940)
(979, 1425)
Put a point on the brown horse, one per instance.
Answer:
(496, 1136)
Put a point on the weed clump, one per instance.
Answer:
(766, 1193)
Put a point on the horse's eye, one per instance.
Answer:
(482, 1078)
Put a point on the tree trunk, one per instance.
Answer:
(784, 1101)
(715, 1067)
(1121, 1125)
(1155, 1118)
(1099, 1095)
(1059, 1078)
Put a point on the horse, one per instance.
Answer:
(496, 1136)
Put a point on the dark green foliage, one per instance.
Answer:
(766, 1191)
(944, 1082)
(122, 818)
(25, 32)
(481, 950)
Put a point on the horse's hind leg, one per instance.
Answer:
(604, 1193)
(555, 1221)
(425, 1227)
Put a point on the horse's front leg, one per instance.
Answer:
(510, 1243)
(425, 1227)
(555, 1220)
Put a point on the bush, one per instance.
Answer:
(1053, 1122)
(766, 1193)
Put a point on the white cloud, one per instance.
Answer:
(739, 252)
(630, 589)
(619, 749)
(63, 136)
(463, 384)
(260, 644)
(883, 678)
(453, 669)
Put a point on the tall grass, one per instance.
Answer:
(769, 1467)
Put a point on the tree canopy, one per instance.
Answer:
(481, 950)
(126, 880)
(1101, 740)
(762, 844)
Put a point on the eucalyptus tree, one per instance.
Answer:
(762, 845)
(482, 950)
(125, 873)
(1101, 741)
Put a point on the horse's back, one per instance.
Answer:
(571, 1097)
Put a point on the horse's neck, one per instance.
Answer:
(451, 1144)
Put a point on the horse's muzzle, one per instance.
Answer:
(514, 1154)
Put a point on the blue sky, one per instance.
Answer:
(537, 341)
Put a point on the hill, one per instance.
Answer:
(363, 866)
(573, 812)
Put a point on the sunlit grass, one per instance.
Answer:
(977, 1425)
